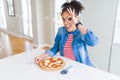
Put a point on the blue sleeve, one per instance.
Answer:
(90, 38)
(53, 51)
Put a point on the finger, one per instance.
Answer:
(46, 57)
(68, 10)
(73, 12)
(37, 60)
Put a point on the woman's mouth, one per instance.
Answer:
(68, 27)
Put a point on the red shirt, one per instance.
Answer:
(68, 52)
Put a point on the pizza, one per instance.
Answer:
(52, 64)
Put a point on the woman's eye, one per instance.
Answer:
(69, 19)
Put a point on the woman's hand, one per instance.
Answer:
(41, 57)
(73, 19)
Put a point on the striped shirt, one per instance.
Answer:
(68, 52)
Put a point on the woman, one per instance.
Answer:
(73, 38)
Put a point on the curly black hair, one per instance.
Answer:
(76, 5)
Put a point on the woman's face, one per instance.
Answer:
(67, 20)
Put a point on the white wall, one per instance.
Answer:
(42, 16)
(115, 52)
(38, 21)
(115, 58)
(49, 21)
(99, 15)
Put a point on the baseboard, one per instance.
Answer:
(16, 35)
(43, 45)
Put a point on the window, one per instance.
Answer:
(2, 15)
(10, 6)
(27, 18)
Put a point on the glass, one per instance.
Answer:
(10, 5)
(29, 59)
(29, 54)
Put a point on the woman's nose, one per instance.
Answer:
(66, 22)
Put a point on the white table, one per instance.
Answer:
(16, 68)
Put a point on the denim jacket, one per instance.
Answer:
(79, 44)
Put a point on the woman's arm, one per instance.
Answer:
(49, 53)
(82, 29)
(88, 36)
